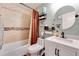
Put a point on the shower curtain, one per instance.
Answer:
(35, 27)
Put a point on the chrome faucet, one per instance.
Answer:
(62, 35)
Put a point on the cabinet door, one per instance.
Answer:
(77, 53)
(66, 50)
(50, 48)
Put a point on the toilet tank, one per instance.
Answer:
(40, 41)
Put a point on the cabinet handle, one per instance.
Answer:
(55, 51)
(58, 52)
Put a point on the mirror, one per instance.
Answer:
(65, 17)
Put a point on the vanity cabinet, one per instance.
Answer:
(50, 48)
(65, 50)
(57, 49)
(77, 53)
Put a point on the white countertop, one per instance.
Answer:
(71, 43)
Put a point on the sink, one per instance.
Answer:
(67, 39)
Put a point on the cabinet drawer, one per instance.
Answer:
(66, 50)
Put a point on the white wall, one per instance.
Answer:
(52, 9)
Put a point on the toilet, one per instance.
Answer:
(35, 49)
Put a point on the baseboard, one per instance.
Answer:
(14, 49)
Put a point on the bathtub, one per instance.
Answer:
(14, 49)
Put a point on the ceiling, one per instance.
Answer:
(15, 7)
(33, 5)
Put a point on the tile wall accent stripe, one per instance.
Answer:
(16, 28)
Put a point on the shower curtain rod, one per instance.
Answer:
(26, 6)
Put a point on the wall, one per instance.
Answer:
(49, 18)
(74, 30)
(52, 9)
(15, 18)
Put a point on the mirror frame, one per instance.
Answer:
(62, 11)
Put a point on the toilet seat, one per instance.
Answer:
(35, 48)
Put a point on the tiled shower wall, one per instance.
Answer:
(16, 25)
